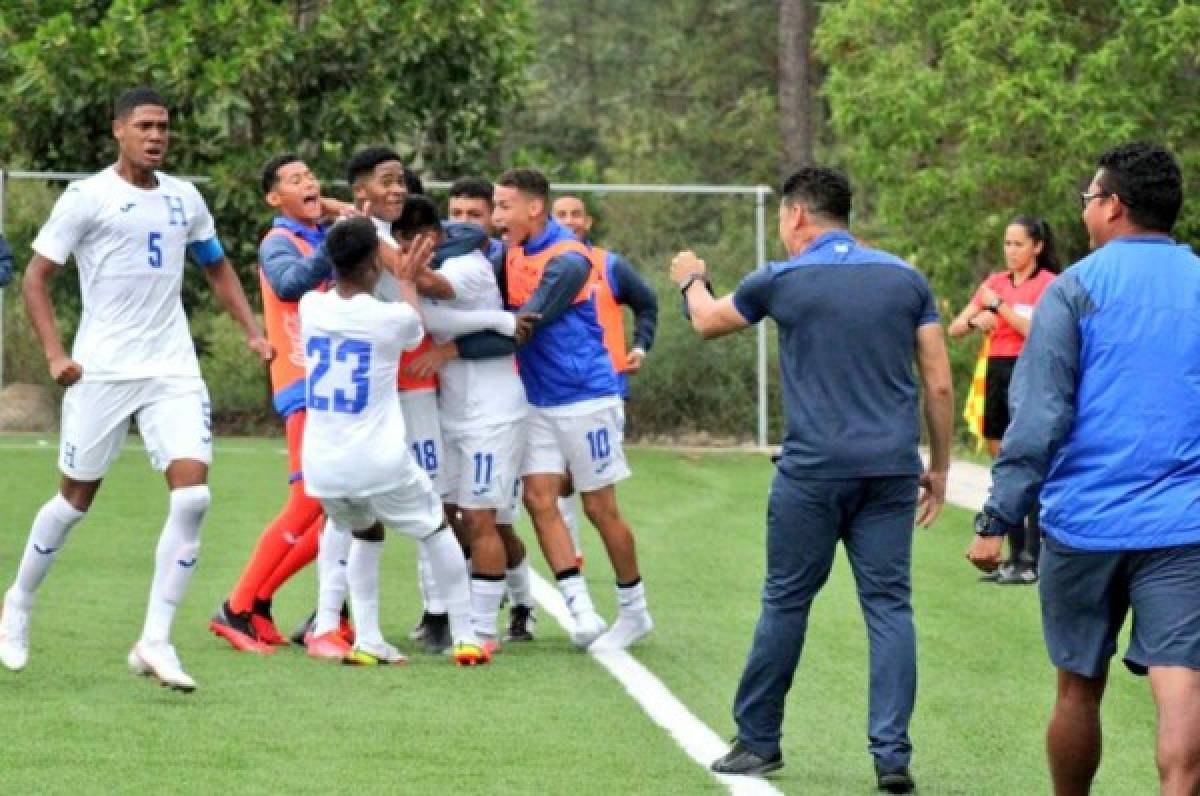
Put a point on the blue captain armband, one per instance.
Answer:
(206, 252)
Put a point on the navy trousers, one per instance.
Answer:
(873, 517)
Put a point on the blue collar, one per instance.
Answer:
(314, 236)
(552, 234)
(828, 238)
(1148, 238)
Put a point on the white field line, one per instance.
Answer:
(696, 739)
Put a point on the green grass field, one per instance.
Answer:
(543, 718)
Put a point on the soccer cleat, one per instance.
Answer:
(14, 635)
(418, 631)
(743, 761)
(490, 646)
(346, 629)
(303, 632)
(588, 628)
(436, 638)
(520, 624)
(894, 780)
(381, 654)
(466, 654)
(238, 630)
(264, 624)
(330, 646)
(627, 630)
(160, 661)
(1019, 574)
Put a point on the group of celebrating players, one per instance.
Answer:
(431, 378)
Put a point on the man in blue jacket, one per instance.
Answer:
(1105, 405)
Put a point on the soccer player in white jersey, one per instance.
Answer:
(482, 404)
(352, 344)
(128, 227)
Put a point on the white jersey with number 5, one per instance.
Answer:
(353, 435)
(129, 245)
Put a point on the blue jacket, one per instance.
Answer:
(6, 262)
(1105, 403)
(565, 362)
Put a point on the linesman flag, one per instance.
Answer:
(973, 410)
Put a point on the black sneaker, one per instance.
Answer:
(436, 635)
(520, 624)
(894, 780)
(742, 760)
(300, 634)
(1018, 576)
(418, 631)
(237, 629)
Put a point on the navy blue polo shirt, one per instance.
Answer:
(848, 317)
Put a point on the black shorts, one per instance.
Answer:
(1086, 595)
(995, 396)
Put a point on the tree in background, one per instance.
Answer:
(954, 116)
(248, 78)
(797, 19)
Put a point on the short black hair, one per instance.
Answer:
(270, 172)
(419, 214)
(825, 191)
(350, 244)
(1148, 180)
(135, 98)
(528, 181)
(412, 182)
(364, 162)
(472, 188)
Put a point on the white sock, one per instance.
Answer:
(450, 574)
(431, 600)
(566, 507)
(50, 528)
(332, 553)
(632, 599)
(362, 576)
(575, 591)
(175, 560)
(520, 590)
(486, 596)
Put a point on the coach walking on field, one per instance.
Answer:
(1106, 422)
(851, 321)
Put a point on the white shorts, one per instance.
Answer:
(172, 416)
(481, 465)
(424, 431)
(588, 446)
(412, 508)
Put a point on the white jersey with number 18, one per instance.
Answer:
(129, 245)
(354, 431)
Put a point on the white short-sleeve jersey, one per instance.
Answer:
(129, 245)
(354, 432)
(476, 393)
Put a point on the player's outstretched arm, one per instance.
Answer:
(228, 290)
(711, 317)
(63, 369)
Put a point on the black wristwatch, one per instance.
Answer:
(988, 525)
(697, 276)
(994, 304)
